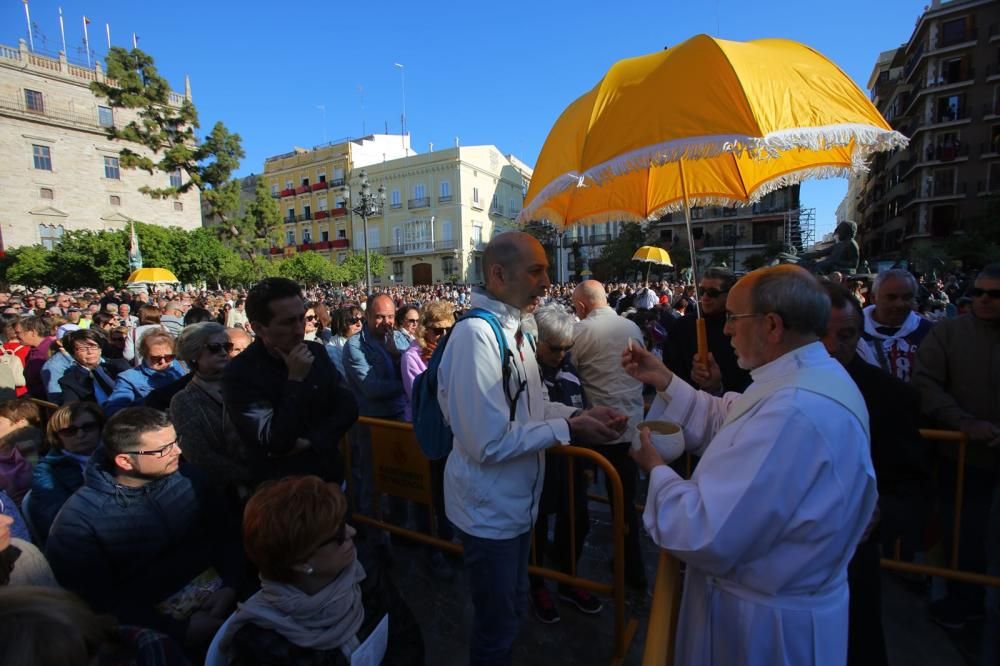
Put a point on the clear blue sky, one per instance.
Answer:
(495, 73)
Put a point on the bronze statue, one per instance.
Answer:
(843, 256)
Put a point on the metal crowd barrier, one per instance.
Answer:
(952, 571)
(401, 470)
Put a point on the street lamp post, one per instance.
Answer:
(368, 204)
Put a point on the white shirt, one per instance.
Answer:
(494, 474)
(768, 521)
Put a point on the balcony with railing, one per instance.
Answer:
(322, 214)
(321, 185)
(419, 202)
(303, 217)
(445, 198)
(496, 209)
(946, 152)
(17, 105)
(337, 182)
(420, 247)
(340, 211)
(302, 189)
(288, 192)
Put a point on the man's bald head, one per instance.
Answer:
(588, 296)
(516, 269)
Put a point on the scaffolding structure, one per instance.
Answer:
(800, 228)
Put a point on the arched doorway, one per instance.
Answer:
(421, 274)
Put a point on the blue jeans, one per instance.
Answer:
(498, 581)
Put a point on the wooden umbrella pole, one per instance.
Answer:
(702, 333)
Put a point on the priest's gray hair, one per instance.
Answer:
(794, 294)
(194, 338)
(555, 325)
(899, 273)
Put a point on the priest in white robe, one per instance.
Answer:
(783, 491)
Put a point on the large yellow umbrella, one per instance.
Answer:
(151, 275)
(706, 122)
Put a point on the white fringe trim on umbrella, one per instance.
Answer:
(545, 212)
(867, 140)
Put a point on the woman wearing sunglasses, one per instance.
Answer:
(198, 415)
(92, 376)
(159, 367)
(317, 603)
(73, 432)
(346, 322)
(436, 319)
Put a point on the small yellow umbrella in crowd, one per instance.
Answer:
(151, 276)
(708, 122)
(652, 255)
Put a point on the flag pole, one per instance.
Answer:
(86, 40)
(107, 30)
(62, 32)
(27, 18)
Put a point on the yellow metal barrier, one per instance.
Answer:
(952, 571)
(401, 470)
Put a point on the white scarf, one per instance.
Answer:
(327, 620)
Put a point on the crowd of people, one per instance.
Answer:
(171, 480)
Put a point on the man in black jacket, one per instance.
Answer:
(284, 394)
(893, 410)
(682, 342)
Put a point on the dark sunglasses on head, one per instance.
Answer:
(713, 293)
(216, 347)
(439, 330)
(73, 431)
(976, 292)
(166, 358)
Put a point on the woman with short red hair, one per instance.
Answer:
(317, 603)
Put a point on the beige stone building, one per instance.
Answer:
(59, 171)
(441, 210)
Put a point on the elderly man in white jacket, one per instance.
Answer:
(782, 494)
(493, 477)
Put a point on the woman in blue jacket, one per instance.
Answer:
(159, 368)
(73, 432)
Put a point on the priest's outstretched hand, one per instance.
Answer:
(645, 367)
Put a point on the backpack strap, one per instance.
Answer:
(506, 356)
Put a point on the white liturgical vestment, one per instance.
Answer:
(771, 515)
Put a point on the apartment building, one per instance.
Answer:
(735, 233)
(942, 89)
(60, 171)
(311, 188)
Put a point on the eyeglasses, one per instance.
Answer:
(216, 347)
(560, 349)
(310, 317)
(713, 293)
(439, 330)
(976, 292)
(355, 321)
(73, 431)
(733, 317)
(339, 537)
(160, 452)
(166, 358)
(88, 348)
(411, 322)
